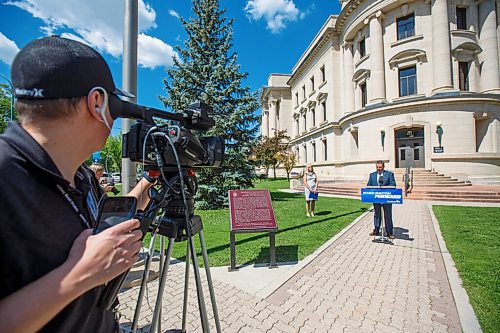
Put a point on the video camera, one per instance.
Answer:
(148, 143)
(173, 150)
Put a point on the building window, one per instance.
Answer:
(325, 150)
(362, 48)
(305, 125)
(408, 81)
(313, 115)
(297, 98)
(312, 83)
(304, 92)
(314, 151)
(323, 107)
(305, 153)
(461, 18)
(297, 126)
(323, 76)
(364, 97)
(463, 75)
(406, 26)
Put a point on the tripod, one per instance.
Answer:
(174, 230)
(382, 238)
(177, 223)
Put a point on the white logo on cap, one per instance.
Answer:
(35, 92)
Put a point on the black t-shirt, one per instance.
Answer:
(38, 226)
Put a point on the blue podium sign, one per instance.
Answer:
(96, 156)
(382, 195)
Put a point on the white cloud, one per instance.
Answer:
(173, 13)
(97, 23)
(277, 13)
(153, 52)
(8, 49)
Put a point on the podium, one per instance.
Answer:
(382, 195)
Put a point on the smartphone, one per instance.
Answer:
(114, 210)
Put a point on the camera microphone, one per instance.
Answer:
(120, 108)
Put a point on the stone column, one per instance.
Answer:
(474, 17)
(441, 56)
(273, 126)
(348, 73)
(490, 74)
(377, 59)
(301, 125)
(265, 123)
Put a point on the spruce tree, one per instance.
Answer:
(207, 71)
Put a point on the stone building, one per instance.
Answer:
(395, 80)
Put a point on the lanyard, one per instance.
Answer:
(73, 205)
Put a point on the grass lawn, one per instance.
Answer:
(472, 238)
(297, 237)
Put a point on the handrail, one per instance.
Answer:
(408, 180)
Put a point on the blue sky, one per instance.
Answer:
(269, 35)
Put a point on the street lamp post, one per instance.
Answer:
(11, 95)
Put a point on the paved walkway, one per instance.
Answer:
(353, 285)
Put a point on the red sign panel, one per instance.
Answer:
(251, 210)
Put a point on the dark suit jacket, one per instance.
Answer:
(388, 179)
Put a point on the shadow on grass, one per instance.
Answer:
(285, 253)
(285, 196)
(323, 212)
(266, 234)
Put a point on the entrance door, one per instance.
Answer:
(410, 148)
(411, 157)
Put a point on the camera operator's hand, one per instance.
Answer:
(96, 259)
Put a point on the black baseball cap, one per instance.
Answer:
(57, 67)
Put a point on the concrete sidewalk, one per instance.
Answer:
(351, 285)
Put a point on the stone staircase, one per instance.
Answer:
(428, 178)
(427, 185)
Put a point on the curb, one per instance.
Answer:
(466, 314)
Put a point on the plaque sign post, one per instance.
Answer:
(251, 211)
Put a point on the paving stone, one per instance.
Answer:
(354, 285)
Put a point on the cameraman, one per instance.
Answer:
(52, 267)
(98, 170)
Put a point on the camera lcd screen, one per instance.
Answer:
(114, 210)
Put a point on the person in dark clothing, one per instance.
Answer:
(382, 177)
(52, 266)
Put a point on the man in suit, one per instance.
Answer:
(382, 177)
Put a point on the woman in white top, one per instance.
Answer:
(310, 186)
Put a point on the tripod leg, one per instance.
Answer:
(144, 282)
(209, 280)
(199, 288)
(161, 287)
(382, 219)
(186, 284)
(162, 261)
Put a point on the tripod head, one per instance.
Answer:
(171, 209)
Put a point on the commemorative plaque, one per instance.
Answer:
(251, 211)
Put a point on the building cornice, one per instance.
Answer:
(424, 102)
(326, 33)
(268, 90)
